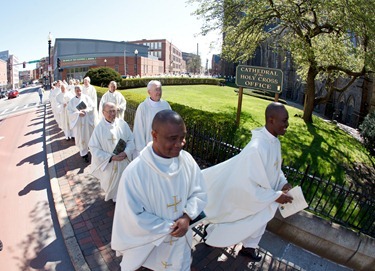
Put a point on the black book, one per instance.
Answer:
(120, 147)
(81, 106)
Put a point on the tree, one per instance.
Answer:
(103, 75)
(193, 63)
(367, 129)
(327, 39)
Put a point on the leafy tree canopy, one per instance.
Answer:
(326, 39)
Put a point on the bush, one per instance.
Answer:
(103, 75)
(367, 129)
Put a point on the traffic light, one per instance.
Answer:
(24, 64)
(58, 63)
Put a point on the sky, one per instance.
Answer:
(25, 25)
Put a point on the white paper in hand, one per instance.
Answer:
(298, 204)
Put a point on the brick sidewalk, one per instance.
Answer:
(86, 219)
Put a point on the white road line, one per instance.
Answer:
(15, 109)
(5, 111)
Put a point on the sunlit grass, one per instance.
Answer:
(328, 150)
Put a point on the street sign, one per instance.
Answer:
(33, 61)
(259, 78)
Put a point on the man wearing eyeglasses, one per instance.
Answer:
(111, 146)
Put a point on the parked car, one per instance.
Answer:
(13, 94)
(3, 94)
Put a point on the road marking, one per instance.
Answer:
(17, 108)
(1, 137)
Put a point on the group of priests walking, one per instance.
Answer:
(159, 189)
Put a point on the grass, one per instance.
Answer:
(328, 150)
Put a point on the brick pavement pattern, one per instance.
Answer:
(88, 222)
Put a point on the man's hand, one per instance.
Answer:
(286, 187)
(82, 113)
(119, 157)
(284, 198)
(180, 226)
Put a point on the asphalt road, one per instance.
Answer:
(29, 227)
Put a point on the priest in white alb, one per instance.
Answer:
(55, 90)
(145, 113)
(62, 100)
(160, 192)
(90, 91)
(81, 121)
(245, 191)
(108, 162)
(112, 95)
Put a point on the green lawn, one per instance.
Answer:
(329, 150)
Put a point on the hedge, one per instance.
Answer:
(165, 81)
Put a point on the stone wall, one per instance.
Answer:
(328, 240)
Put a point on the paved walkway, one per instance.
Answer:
(86, 221)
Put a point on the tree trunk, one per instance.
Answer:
(308, 106)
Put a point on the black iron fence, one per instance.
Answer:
(349, 206)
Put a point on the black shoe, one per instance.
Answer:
(86, 158)
(250, 253)
(204, 237)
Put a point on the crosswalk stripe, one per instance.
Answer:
(9, 110)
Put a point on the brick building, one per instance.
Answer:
(166, 52)
(77, 56)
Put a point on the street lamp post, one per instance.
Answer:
(41, 73)
(49, 59)
(136, 62)
(125, 61)
(105, 62)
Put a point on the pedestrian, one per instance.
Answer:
(160, 192)
(111, 146)
(145, 114)
(112, 95)
(90, 91)
(245, 191)
(41, 93)
(81, 121)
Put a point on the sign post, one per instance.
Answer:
(239, 106)
(253, 77)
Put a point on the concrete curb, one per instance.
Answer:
(70, 240)
(328, 240)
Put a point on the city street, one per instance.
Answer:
(29, 227)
